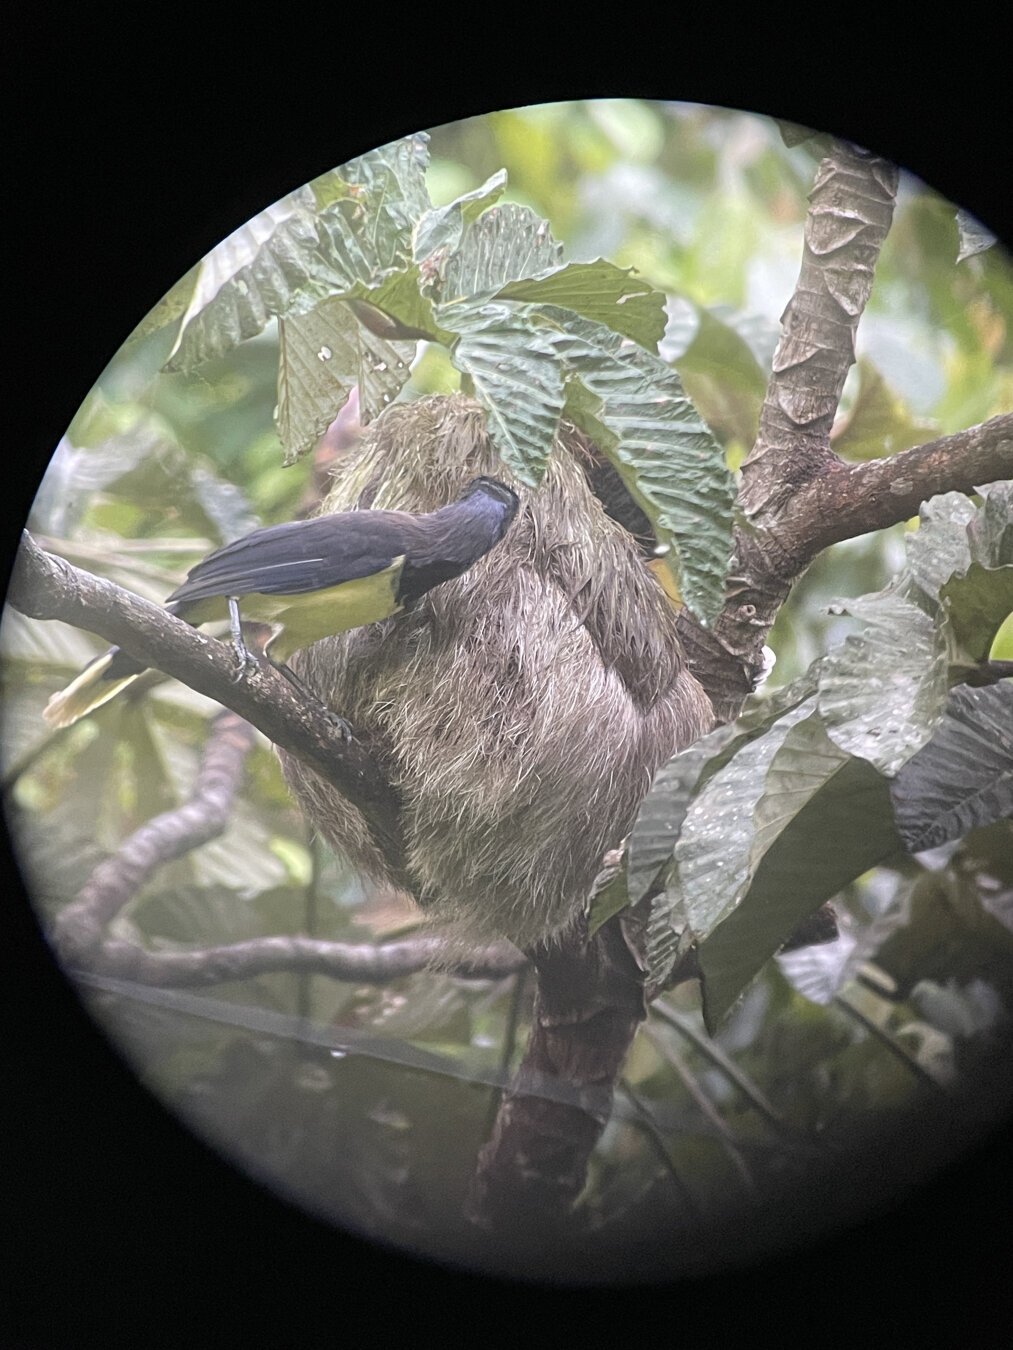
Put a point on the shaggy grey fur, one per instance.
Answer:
(521, 709)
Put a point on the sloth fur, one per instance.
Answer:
(522, 709)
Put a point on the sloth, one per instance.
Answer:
(520, 710)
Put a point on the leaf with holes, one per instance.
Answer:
(323, 354)
(296, 254)
(503, 245)
(442, 227)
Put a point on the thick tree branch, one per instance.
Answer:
(851, 499)
(46, 587)
(589, 1004)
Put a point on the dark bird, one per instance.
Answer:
(311, 579)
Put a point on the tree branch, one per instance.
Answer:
(46, 587)
(851, 499)
(79, 928)
(797, 496)
(361, 963)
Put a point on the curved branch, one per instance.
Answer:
(363, 963)
(46, 587)
(79, 929)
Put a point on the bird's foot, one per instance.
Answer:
(340, 725)
(248, 663)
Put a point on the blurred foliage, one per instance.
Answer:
(895, 1034)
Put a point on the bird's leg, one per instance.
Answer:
(308, 694)
(247, 660)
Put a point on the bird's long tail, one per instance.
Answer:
(97, 684)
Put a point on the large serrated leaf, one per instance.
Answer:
(323, 354)
(402, 295)
(442, 227)
(635, 409)
(882, 692)
(172, 306)
(505, 244)
(963, 777)
(599, 291)
(517, 378)
(795, 861)
(295, 254)
(392, 181)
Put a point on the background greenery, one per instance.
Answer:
(895, 1035)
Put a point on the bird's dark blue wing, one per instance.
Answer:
(305, 555)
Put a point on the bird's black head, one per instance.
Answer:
(496, 491)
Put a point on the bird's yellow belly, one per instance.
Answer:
(299, 620)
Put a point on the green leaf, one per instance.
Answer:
(637, 412)
(977, 603)
(443, 227)
(257, 272)
(601, 292)
(723, 377)
(963, 777)
(610, 900)
(883, 691)
(505, 244)
(516, 377)
(322, 355)
(172, 306)
(389, 185)
(400, 294)
(712, 856)
(663, 810)
(295, 254)
(795, 862)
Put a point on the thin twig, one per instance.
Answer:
(713, 1052)
(708, 1110)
